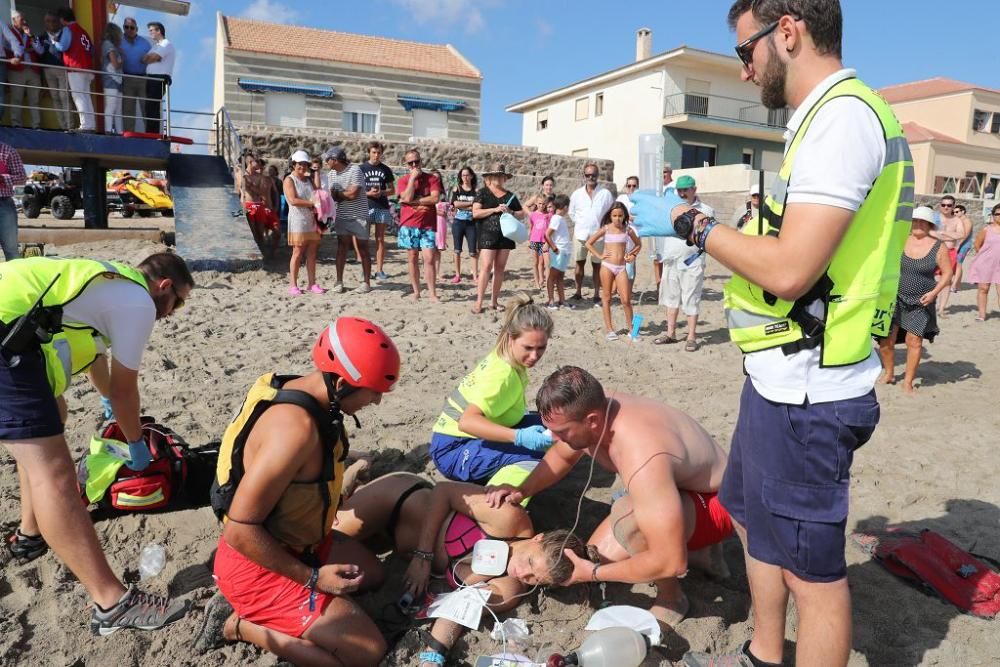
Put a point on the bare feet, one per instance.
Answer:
(670, 612)
(434, 298)
(415, 296)
(909, 388)
(887, 378)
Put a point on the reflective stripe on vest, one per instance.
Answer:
(858, 292)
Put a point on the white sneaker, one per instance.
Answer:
(363, 289)
(339, 288)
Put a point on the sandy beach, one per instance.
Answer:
(928, 465)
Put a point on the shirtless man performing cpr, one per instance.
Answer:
(671, 469)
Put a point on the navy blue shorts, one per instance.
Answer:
(464, 230)
(476, 460)
(788, 479)
(27, 407)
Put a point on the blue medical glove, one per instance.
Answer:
(533, 437)
(138, 452)
(108, 412)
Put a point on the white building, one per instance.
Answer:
(708, 116)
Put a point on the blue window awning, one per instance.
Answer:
(411, 102)
(264, 86)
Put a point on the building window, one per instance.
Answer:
(995, 128)
(432, 124)
(285, 109)
(580, 152)
(748, 156)
(541, 120)
(360, 116)
(694, 156)
(980, 120)
(599, 104)
(583, 108)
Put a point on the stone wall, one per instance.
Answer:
(527, 165)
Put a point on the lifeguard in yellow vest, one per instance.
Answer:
(58, 318)
(814, 276)
(283, 571)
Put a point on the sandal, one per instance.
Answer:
(499, 307)
(691, 346)
(26, 548)
(664, 340)
(294, 291)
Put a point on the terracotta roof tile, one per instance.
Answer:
(920, 90)
(917, 133)
(297, 41)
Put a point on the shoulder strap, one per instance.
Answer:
(330, 424)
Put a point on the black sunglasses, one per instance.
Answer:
(178, 300)
(413, 163)
(631, 185)
(590, 175)
(131, 27)
(744, 50)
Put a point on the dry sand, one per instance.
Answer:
(929, 464)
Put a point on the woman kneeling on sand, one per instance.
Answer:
(483, 426)
(438, 526)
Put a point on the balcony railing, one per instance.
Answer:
(725, 108)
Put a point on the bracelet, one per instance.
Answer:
(593, 572)
(311, 585)
(701, 237)
(423, 555)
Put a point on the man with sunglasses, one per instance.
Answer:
(419, 193)
(133, 47)
(954, 231)
(811, 285)
(587, 206)
(84, 308)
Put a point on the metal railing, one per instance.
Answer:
(164, 122)
(724, 108)
(228, 144)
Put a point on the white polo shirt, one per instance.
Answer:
(836, 165)
(587, 211)
(165, 65)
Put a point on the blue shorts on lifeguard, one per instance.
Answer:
(27, 407)
(476, 460)
(414, 238)
(789, 476)
(559, 262)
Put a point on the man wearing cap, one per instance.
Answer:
(346, 184)
(811, 285)
(683, 277)
(741, 218)
(587, 206)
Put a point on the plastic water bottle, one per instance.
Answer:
(151, 560)
(610, 647)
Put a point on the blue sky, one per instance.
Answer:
(525, 47)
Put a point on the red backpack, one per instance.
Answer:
(177, 477)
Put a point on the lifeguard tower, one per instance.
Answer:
(211, 230)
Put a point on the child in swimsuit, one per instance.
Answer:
(437, 527)
(539, 225)
(616, 233)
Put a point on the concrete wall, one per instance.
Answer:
(527, 164)
(350, 83)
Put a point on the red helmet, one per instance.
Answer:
(360, 352)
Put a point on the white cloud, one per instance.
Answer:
(448, 12)
(270, 10)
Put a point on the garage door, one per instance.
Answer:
(285, 109)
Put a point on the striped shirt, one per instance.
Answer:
(11, 170)
(349, 209)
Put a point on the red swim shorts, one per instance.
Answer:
(711, 521)
(261, 215)
(267, 598)
(953, 256)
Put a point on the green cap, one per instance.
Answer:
(684, 182)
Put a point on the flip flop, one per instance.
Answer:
(664, 340)
(691, 346)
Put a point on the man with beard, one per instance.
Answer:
(667, 513)
(87, 307)
(813, 280)
(954, 231)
